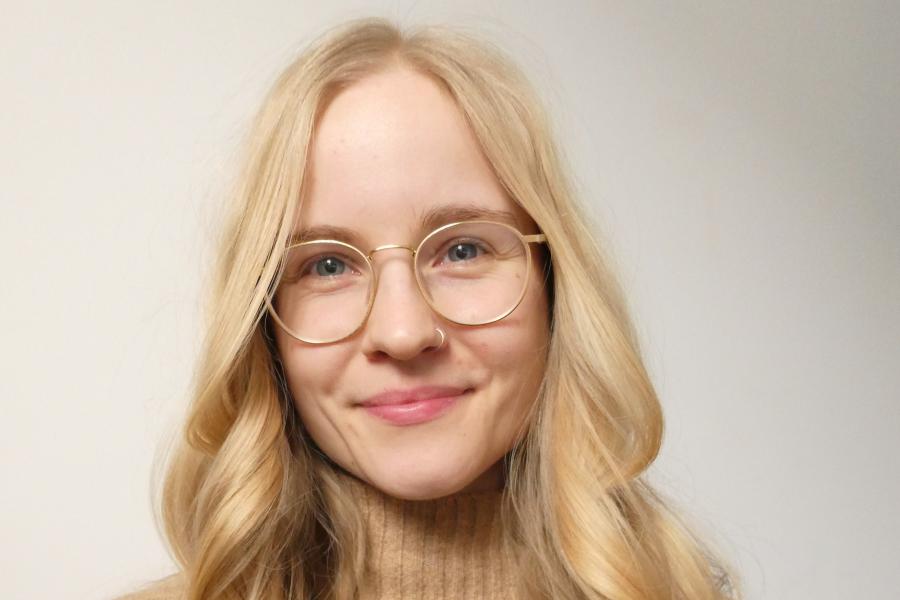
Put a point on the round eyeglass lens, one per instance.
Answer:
(323, 293)
(473, 273)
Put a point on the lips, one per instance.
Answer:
(411, 395)
(413, 406)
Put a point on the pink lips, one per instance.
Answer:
(412, 406)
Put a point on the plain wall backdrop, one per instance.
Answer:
(742, 159)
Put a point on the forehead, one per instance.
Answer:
(393, 155)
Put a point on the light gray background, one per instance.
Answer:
(743, 159)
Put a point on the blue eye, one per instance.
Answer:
(329, 266)
(462, 251)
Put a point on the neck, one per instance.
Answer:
(451, 547)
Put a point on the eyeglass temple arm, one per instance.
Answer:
(535, 237)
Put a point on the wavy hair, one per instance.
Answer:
(253, 511)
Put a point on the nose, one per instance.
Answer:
(401, 324)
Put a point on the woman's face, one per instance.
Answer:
(388, 149)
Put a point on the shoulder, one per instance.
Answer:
(167, 588)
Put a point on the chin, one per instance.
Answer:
(421, 486)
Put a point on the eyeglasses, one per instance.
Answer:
(470, 273)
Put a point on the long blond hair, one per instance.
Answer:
(252, 511)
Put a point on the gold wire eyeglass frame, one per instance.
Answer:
(525, 239)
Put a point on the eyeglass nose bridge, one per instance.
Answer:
(388, 247)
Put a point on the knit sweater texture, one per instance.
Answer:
(444, 549)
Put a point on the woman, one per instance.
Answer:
(420, 379)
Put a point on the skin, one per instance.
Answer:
(387, 148)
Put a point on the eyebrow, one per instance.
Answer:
(431, 220)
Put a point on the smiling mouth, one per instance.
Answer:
(413, 395)
(417, 410)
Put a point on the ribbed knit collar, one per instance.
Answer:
(447, 548)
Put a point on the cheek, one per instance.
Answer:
(532, 333)
(535, 312)
(515, 347)
(311, 372)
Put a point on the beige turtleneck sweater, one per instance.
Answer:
(445, 549)
(449, 548)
